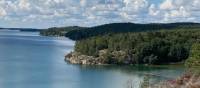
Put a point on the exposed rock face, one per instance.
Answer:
(104, 57)
(77, 58)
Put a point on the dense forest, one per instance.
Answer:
(151, 47)
(59, 31)
(126, 27)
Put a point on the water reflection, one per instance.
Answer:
(90, 76)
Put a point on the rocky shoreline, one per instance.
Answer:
(103, 58)
(77, 58)
(190, 79)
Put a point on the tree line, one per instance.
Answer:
(154, 43)
(59, 31)
(126, 27)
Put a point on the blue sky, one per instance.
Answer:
(50, 13)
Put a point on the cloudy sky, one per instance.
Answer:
(49, 13)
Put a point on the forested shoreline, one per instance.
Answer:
(130, 43)
(155, 47)
(136, 44)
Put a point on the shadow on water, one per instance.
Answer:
(164, 71)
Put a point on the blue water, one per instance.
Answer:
(28, 60)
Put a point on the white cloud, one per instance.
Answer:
(167, 4)
(153, 11)
(135, 5)
(133, 8)
(83, 3)
(93, 12)
(179, 10)
(24, 4)
(2, 12)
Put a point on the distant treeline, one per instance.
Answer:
(154, 47)
(59, 31)
(24, 29)
(124, 28)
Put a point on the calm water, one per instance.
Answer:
(28, 60)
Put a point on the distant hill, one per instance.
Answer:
(59, 31)
(23, 29)
(126, 27)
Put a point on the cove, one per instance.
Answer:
(28, 60)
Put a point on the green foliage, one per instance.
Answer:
(58, 31)
(194, 58)
(156, 47)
